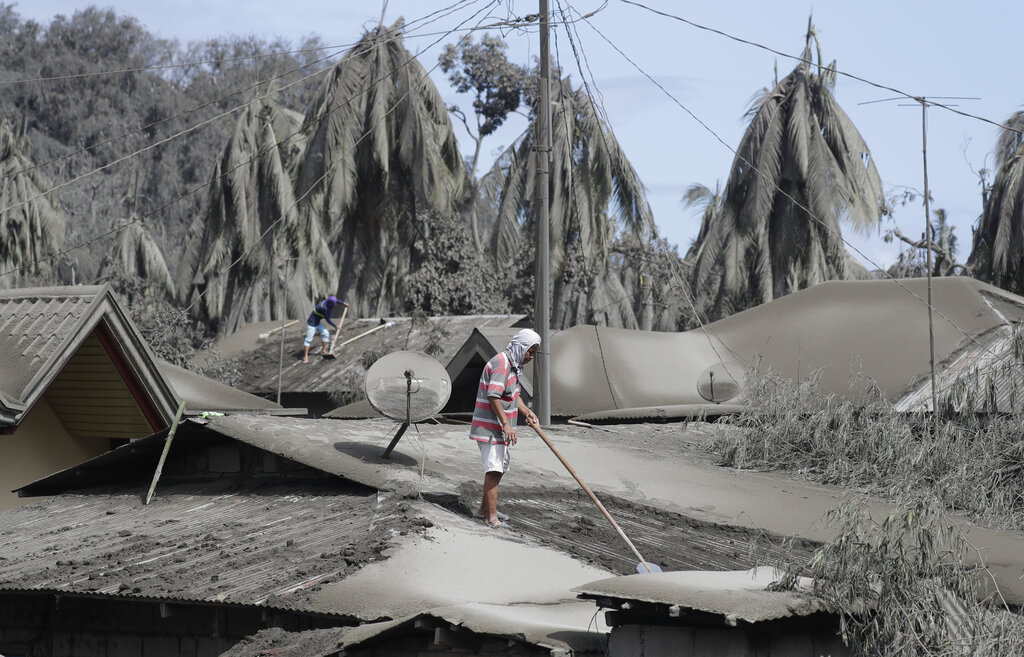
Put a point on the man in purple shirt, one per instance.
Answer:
(320, 314)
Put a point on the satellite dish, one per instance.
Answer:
(716, 384)
(407, 386)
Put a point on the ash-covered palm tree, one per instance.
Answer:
(31, 226)
(594, 192)
(251, 223)
(997, 255)
(381, 156)
(800, 170)
(137, 259)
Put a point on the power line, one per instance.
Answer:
(193, 190)
(653, 226)
(258, 83)
(783, 192)
(807, 61)
(434, 16)
(315, 183)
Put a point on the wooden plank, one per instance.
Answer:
(103, 424)
(87, 376)
(167, 448)
(90, 383)
(88, 410)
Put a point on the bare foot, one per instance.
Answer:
(305, 360)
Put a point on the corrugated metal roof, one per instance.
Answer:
(985, 375)
(192, 543)
(735, 595)
(353, 450)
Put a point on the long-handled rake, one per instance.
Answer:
(643, 566)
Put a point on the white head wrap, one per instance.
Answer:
(521, 343)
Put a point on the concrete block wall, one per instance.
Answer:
(681, 641)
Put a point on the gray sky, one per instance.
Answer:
(940, 48)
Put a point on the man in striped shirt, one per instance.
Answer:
(497, 410)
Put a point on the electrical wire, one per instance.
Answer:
(315, 183)
(793, 200)
(877, 85)
(684, 288)
(199, 187)
(406, 33)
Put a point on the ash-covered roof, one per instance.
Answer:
(986, 375)
(876, 328)
(194, 542)
(734, 595)
(259, 356)
(204, 394)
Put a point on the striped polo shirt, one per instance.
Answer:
(497, 380)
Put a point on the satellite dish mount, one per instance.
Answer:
(395, 390)
(409, 374)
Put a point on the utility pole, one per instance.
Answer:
(923, 101)
(928, 250)
(542, 304)
(284, 318)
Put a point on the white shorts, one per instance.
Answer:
(312, 330)
(495, 457)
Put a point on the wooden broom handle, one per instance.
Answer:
(583, 485)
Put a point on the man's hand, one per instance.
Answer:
(530, 418)
(509, 432)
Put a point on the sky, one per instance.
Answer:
(683, 132)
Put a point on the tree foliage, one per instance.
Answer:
(251, 223)
(801, 168)
(594, 194)
(452, 278)
(997, 255)
(902, 588)
(381, 152)
(83, 122)
(31, 226)
(496, 83)
(498, 87)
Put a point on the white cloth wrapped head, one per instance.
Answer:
(521, 343)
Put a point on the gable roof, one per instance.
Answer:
(482, 344)
(52, 339)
